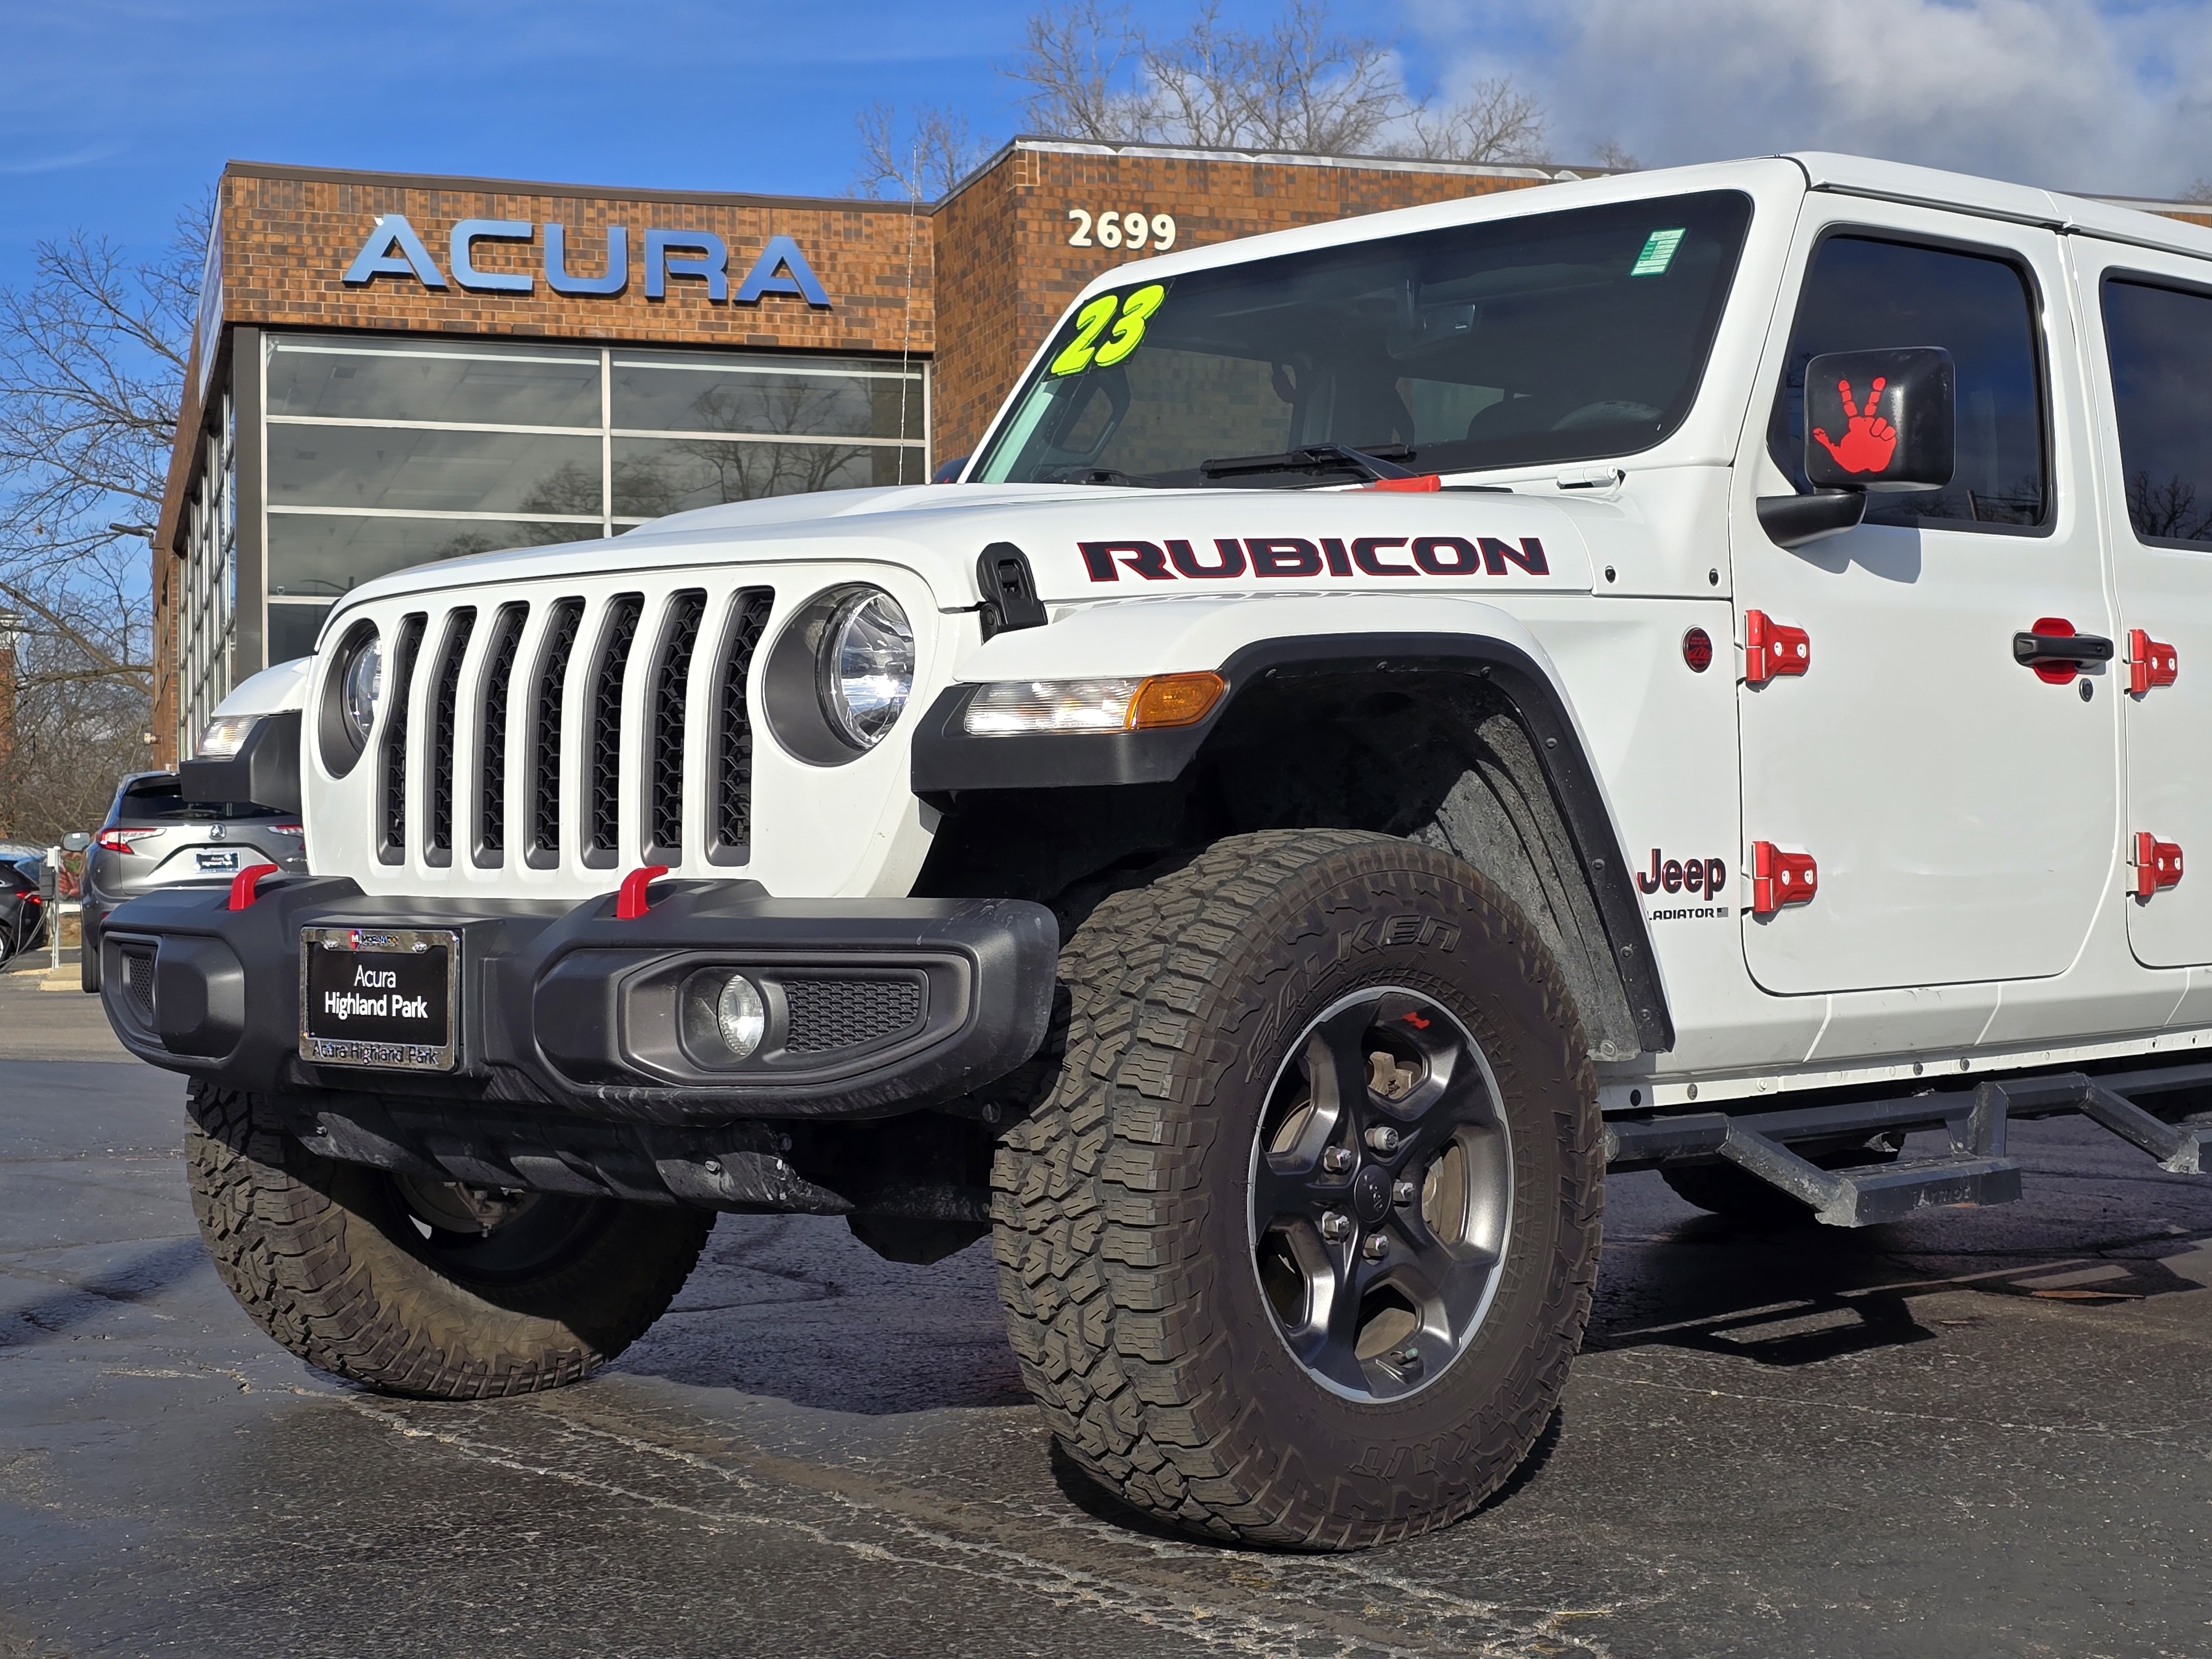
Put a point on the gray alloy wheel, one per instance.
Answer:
(1381, 1193)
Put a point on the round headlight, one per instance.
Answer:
(866, 671)
(364, 679)
(741, 1016)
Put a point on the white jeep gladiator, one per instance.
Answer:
(1704, 670)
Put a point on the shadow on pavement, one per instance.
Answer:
(139, 1278)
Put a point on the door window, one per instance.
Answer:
(1861, 293)
(2160, 343)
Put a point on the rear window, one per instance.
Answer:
(2161, 341)
(160, 800)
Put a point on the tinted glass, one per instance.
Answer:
(291, 630)
(1554, 337)
(1863, 294)
(421, 471)
(2160, 342)
(322, 554)
(159, 801)
(477, 384)
(703, 395)
(656, 476)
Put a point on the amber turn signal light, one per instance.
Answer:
(1166, 700)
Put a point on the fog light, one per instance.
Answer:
(741, 1016)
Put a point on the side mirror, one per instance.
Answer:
(1880, 420)
(76, 841)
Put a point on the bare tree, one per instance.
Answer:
(1614, 155)
(1495, 121)
(1079, 62)
(921, 161)
(92, 365)
(1301, 85)
(2199, 191)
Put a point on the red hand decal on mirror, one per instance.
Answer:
(1868, 440)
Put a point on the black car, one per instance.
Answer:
(22, 912)
(154, 837)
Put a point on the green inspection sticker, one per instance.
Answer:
(1658, 252)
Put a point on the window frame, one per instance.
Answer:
(2038, 319)
(2137, 278)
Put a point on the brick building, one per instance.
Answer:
(391, 368)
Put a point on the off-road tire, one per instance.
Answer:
(322, 1256)
(1121, 1232)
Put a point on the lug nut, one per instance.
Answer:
(1375, 1246)
(1383, 1139)
(1335, 1224)
(1403, 1193)
(1337, 1159)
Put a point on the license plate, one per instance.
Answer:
(220, 863)
(384, 997)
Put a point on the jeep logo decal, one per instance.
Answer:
(1295, 555)
(1707, 876)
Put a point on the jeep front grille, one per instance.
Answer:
(491, 749)
(548, 707)
(607, 685)
(603, 766)
(459, 625)
(391, 841)
(671, 678)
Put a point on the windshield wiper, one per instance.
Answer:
(1374, 464)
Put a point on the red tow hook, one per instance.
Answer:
(242, 885)
(1420, 484)
(629, 899)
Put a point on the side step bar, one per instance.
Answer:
(1975, 1171)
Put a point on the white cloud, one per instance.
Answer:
(2061, 93)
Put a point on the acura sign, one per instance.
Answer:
(394, 249)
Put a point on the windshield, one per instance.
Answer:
(1557, 336)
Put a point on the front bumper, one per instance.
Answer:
(877, 1006)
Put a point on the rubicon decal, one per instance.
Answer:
(1334, 555)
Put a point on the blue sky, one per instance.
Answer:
(118, 111)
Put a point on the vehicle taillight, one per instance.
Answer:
(288, 830)
(120, 841)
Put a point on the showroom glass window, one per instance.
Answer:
(1863, 294)
(2160, 343)
(385, 453)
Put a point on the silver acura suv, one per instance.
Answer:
(154, 837)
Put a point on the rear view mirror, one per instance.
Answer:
(1880, 420)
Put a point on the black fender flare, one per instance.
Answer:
(947, 761)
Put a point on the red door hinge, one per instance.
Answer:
(1779, 878)
(2150, 663)
(1772, 648)
(2157, 864)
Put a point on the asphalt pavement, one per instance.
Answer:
(1976, 1433)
